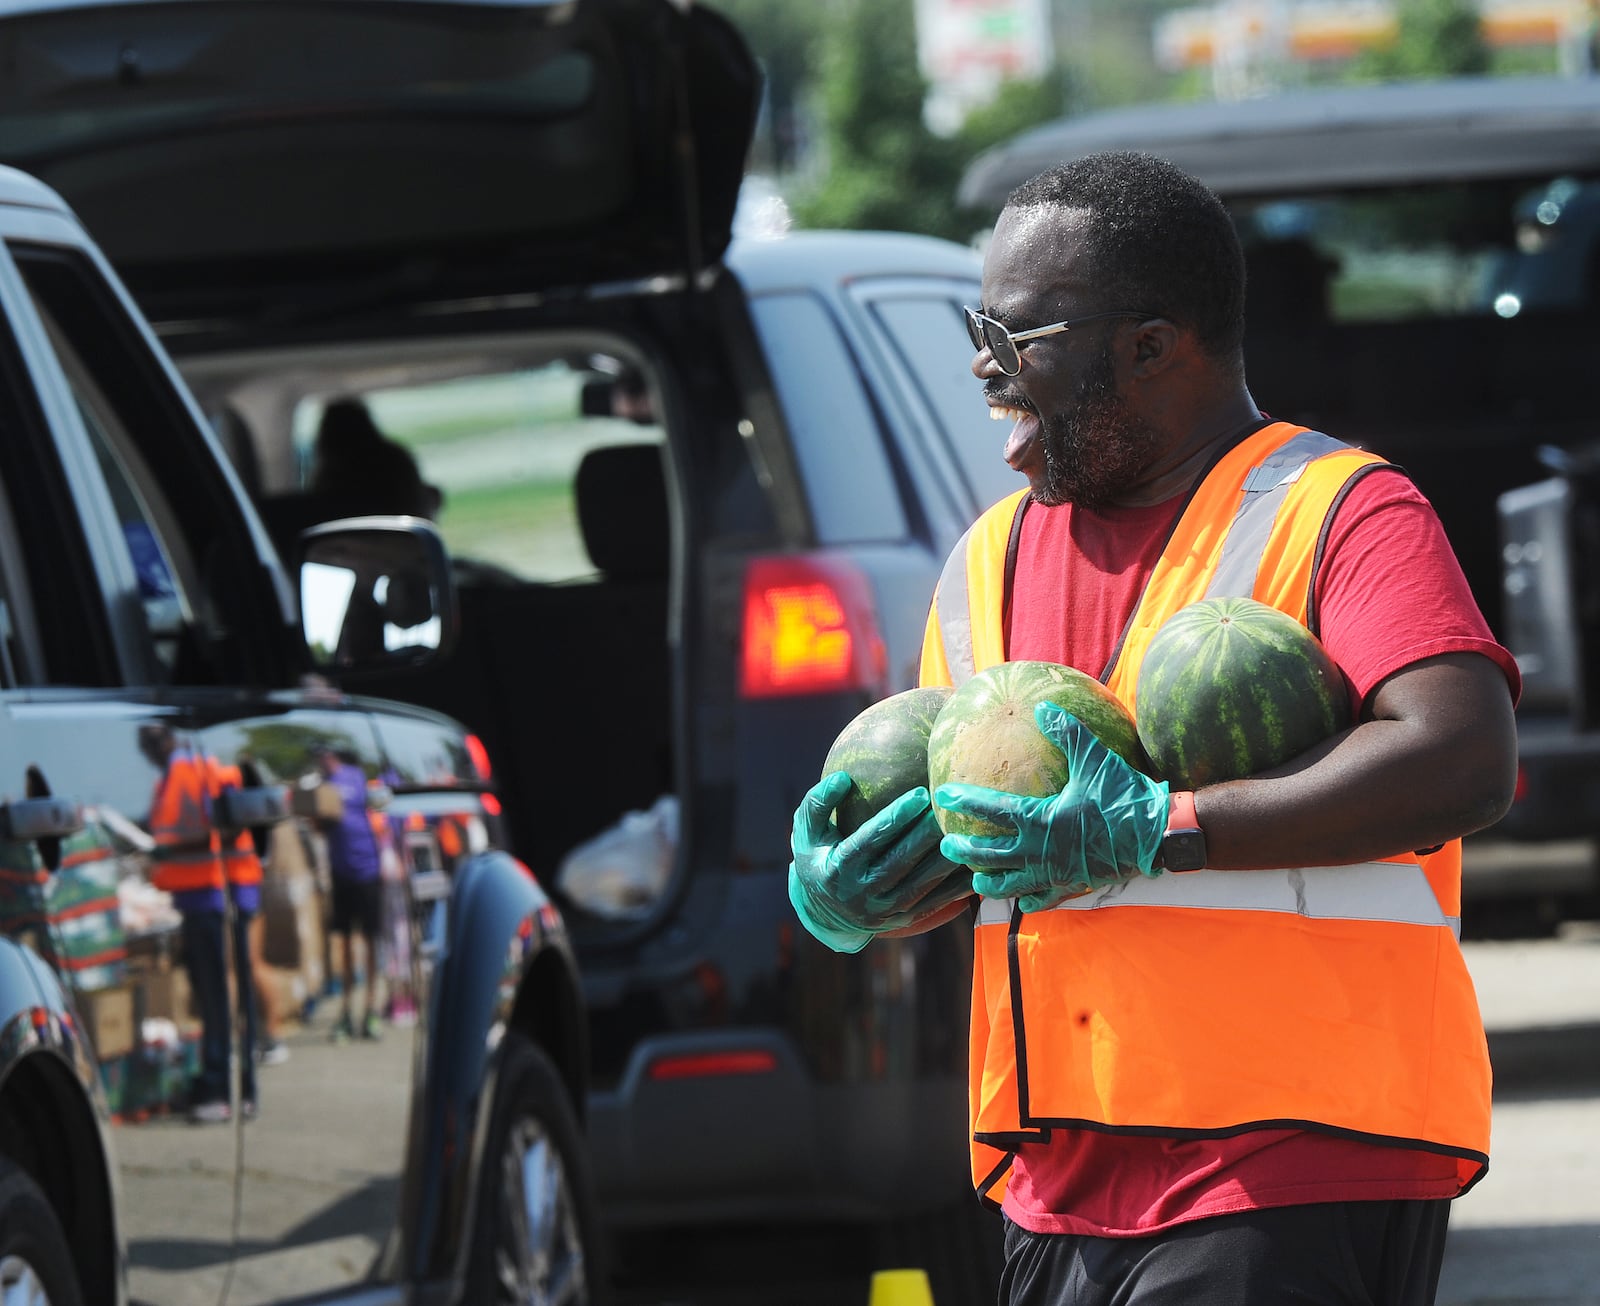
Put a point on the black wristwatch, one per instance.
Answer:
(1183, 846)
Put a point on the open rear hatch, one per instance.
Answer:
(272, 157)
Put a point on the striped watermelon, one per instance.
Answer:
(987, 736)
(1230, 688)
(885, 750)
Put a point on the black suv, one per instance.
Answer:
(160, 712)
(697, 497)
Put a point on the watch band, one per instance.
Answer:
(1183, 846)
(1180, 811)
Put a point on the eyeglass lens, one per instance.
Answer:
(984, 332)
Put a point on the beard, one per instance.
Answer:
(1096, 448)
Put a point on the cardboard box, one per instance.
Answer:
(108, 1019)
(291, 910)
(165, 995)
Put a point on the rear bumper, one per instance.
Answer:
(770, 1144)
(1558, 784)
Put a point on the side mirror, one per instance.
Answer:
(375, 594)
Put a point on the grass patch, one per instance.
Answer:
(529, 527)
(475, 406)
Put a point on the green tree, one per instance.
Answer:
(786, 39)
(882, 166)
(1433, 38)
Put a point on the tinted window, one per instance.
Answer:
(931, 340)
(69, 643)
(838, 442)
(498, 457)
(208, 616)
(1496, 247)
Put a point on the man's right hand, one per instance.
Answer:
(886, 876)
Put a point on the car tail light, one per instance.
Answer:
(479, 756)
(754, 1061)
(810, 627)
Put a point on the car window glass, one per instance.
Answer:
(70, 646)
(838, 442)
(1497, 247)
(930, 339)
(492, 459)
(150, 531)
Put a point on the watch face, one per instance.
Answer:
(1183, 850)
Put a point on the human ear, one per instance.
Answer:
(1155, 345)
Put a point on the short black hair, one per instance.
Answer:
(1161, 240)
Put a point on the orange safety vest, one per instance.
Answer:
(187, 845)
(1209, 1003)
(240, 862)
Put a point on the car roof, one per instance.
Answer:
(1457, 129)
(17, 187)
(812, 258)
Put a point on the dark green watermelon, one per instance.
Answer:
(987, 735)
(1230, 688)
(885, 750)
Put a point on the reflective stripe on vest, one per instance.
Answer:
(1289, 1003)
(1397, 892)
(1264, 491)
(955, 625)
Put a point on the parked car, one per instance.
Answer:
(697, 501)
(1423, 281)
(149, 627)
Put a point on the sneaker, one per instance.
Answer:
(215, 1112)
(343, 1031)
(372, 1027)
(272, 1053)
(404, 1013)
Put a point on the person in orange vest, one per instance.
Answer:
(188, 865)
(241, 866)
(1225, 1047)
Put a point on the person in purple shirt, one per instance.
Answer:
(354, 861)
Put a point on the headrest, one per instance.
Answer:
(621, 496)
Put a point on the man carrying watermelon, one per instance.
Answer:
(1225, 1048)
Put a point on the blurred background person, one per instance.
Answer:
(355, 868)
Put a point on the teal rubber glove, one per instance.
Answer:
(1104, 827)
(885, 876)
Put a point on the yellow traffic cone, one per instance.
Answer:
(900, 1288)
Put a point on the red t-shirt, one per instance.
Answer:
(1390, 592)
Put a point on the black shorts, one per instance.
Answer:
(1327, 1254)
(357, 907)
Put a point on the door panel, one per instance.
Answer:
(121, 957)
(325, 1154)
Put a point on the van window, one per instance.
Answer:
(1492, 248)
(492, 459)
(838, 440)
(930, 338)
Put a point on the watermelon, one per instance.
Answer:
(885, 750)
(1230, 687)
(987, 735)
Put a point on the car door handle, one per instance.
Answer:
(40, 818)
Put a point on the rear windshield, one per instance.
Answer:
(1491, 248)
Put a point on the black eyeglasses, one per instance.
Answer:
(986, 333)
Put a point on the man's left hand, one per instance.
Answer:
(1105, 826)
